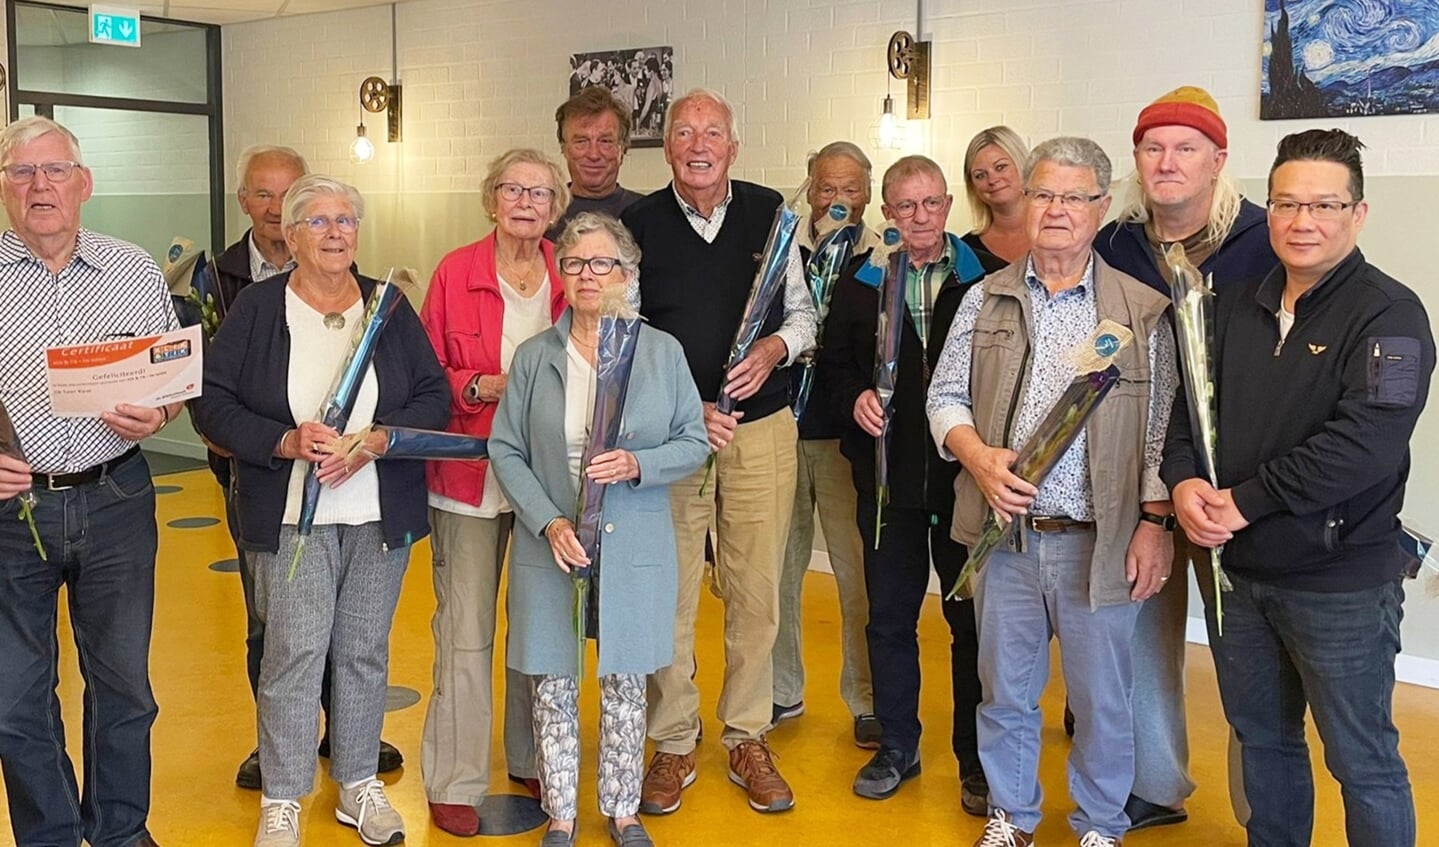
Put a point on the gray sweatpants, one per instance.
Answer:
(341, 602)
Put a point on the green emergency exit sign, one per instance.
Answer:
(111, 25)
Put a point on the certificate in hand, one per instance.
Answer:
(87, 379)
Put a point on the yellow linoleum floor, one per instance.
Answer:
(206, 726)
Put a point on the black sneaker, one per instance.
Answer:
(784, 713)
(866, 732)
(390, 757)
(885, 772)
(974, 796)
(248, 776)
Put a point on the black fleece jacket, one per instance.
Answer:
(1314, 431)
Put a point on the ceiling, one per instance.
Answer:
(228, 11)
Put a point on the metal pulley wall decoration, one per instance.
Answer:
(908, 60)
(377, 96)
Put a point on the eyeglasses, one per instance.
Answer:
(320, 224)
(54, 171)
(1068, 202)
(538, 193)
(907, 208)
(600, 265)
(1322, 210)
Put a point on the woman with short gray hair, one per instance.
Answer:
(269, 370)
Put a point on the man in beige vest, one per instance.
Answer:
(1093, 541)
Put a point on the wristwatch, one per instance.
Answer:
(1165, 522)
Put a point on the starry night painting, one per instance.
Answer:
(1344, 58)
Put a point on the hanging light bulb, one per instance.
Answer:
(361, 149)
(887, 133)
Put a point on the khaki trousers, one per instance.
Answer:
(748, 498)
(469, 554)
(824, 480)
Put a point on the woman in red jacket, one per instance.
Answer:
(484, 300)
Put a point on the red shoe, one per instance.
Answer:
(532, 785)
(456, 819)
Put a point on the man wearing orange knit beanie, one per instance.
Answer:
(1180, 194)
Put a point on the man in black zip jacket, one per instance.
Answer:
(915, 524)
(1322, 370)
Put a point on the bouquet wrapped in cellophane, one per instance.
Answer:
(344, 390)
(886, 359)
(837, 239)
(614, 360)
(10, 446)
(769, 281)
(1193, 297)
(1054, 435)
(405, 442)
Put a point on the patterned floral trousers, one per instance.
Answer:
(622, 744)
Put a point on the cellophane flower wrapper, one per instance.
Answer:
(10, 446)
(403, 442)
(340, 399)
(1193, 298)
(831, 254)
(890, 329)
(1054, 435)
(769, 281)
(619, 332)
(206, 298)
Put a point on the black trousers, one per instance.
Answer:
(897, 577)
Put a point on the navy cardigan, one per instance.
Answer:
(245, 409)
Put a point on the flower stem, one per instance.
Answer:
(29, 518)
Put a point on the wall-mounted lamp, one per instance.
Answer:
(888, 134)
(376, 96)
(909, 61)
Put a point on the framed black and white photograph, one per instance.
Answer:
(641, 78)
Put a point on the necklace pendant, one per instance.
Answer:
(334, 320)
(524, 286)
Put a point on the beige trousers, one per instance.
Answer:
(824, 480)
(469, 554)
(748, 498)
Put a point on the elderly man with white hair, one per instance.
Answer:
(701, 237)
(93, 507)
(1093, 540)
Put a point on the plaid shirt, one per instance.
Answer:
(921, 286)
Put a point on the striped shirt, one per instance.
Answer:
(110, 289)
(260, 267)
(798, 331)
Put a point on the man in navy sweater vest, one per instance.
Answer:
(1321, 371)
(702, 237)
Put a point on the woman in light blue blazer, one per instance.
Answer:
(539, 435)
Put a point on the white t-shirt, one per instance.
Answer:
(1286, 323)
(525, 317)
(579, 407)
(316, 353)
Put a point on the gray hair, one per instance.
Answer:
(33, 128)
(910, 166)
(1074, 152)
(629, 252)
(703, 94)
(307, 189)
(524, 156)
(845, 149)
(256, 151)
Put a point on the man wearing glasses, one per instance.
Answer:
(1093, 539)
(1182, 194)
(916, 519)
(94, 507)
(1322, 370)
(594, 133)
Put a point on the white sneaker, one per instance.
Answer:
(279, 825)
(368, 810)
(1094, 839)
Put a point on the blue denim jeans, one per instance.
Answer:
(101, 541)
(1285, 650)
(1025, 599)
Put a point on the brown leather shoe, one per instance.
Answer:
(1000, 831)
(667, 776)
(751, 766)
(456, 819)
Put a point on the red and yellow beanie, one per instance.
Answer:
(1185, 106)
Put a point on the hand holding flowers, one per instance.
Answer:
(613, 466)
(565, 545)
